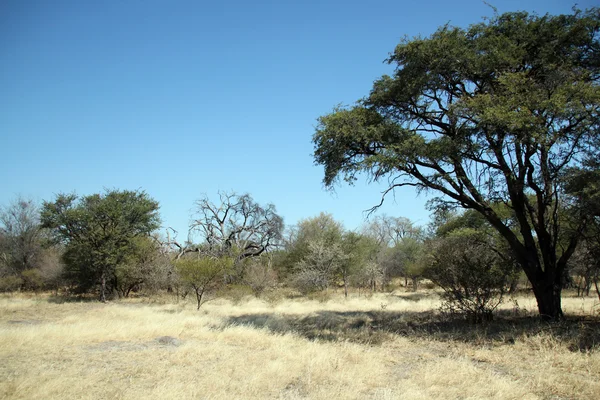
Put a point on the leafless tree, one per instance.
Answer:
(237, 226)
(390, 231)
(21, 236)
(318, 268)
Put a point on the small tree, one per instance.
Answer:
(360, 251)
(21, 237)
(474, 278)
(203, 274)
(319, 266)
(409, 254)
(260, 275)
(322, 228)
(389, 231)
(369, 276)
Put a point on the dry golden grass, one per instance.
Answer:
(382, 347)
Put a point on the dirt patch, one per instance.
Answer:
(168, 341)
(116, 345)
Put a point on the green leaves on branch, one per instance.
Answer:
(203, 274)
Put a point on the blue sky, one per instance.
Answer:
(185, 98)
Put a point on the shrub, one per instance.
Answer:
(32, 279)
(322, 296)
(10, 283)
(236, 292)
(473, 276)
(260, 277)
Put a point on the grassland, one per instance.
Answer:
(388, 346)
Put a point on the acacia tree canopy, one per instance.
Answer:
(99, 231)
(490, 114)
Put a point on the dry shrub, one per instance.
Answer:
(474, 278)
(236, 293)
(10, 283)
(322, 296)
(260, 277)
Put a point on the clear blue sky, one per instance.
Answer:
(182, 98)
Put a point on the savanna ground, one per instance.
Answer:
(387, 346)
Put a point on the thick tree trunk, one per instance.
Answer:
(548, 296)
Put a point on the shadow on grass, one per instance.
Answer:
(415, 296)
(63, 298)
(375, 327)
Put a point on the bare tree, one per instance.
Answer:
(21, 236)
(319, 266)
(390, 231)
(237, 226)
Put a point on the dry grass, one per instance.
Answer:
(384, 347)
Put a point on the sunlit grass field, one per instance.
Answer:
(385, 346)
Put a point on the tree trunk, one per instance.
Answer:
(103, 295)
(345, 285)
(548, 296)
(198, 299)
(199, 293)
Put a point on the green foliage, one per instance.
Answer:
(481, 116)
(315, 253)
(99, 233)
(322, 228)
(360, 253)
(204, 274)
(582, 186)
(410, 256)
(144, 265)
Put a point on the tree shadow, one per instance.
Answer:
(70, 298)
(376, 327)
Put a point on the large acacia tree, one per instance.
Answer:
(490, 114)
